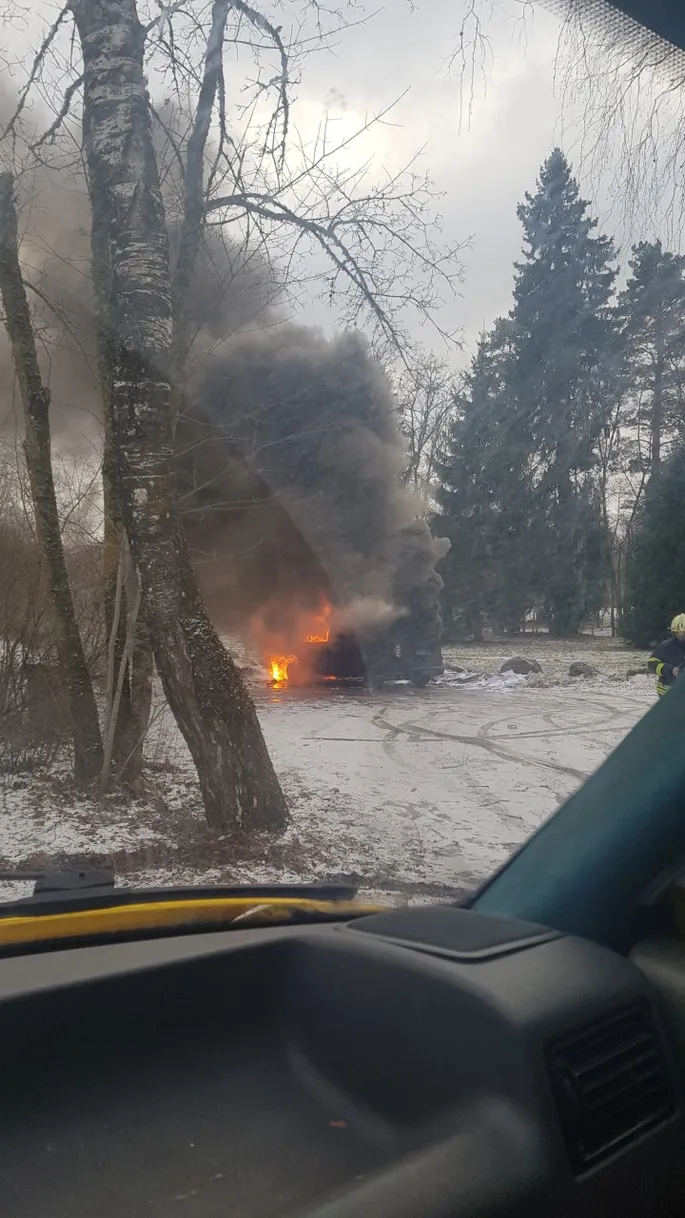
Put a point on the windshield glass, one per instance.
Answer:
(342, 387)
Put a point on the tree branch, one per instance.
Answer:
(48, 136)
(193, 195)
(38, 61)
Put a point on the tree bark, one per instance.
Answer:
(130, 757)
(657, 411)
(115, 691)
(35, 399)
(114, 594)
(129, 678)
(202, 685)
(133, 714)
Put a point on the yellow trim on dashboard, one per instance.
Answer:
(167, 915)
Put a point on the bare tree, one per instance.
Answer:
(32, 729)
(36, 402)
(629, 128)
(371, 241)
(621, 91)
(202, 685)
(426, 395)
(268, 190)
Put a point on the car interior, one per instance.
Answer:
(427, 1062)
(516, 1055)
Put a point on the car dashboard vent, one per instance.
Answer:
(611, 1081)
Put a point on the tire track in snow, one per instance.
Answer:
(416, 731)
(576, 730)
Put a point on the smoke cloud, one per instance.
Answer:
(289, 453)
(235, 287)
(305, 430)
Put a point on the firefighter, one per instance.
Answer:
(667, 661)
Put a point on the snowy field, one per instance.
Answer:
(412, 794)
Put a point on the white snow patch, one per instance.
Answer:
(410, 792)
(15, 890)
(77, 828)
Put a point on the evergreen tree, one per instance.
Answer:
(652, 312)
(485, 496)
(523, 490)
(566, 356)
(655, 568)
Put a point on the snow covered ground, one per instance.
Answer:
(411, 793)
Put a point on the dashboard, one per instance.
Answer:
(425, 1063)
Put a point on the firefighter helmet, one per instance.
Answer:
(678, 624)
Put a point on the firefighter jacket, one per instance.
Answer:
(668, 655)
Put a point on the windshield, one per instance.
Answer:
(342, 376)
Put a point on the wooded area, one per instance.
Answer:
(550, 457)
(205, 189)
(572, 406)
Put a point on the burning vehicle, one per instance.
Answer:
(338, 660)
(306, 542)
(346, 660)
(368, 657)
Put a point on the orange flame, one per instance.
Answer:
(311, 628)
(278, 667)
(320, 632)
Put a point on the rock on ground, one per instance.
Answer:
(521, 665)
(580, 669)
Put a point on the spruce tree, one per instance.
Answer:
(566, 352)
(485, 497)
(652, 312)
(655, 567)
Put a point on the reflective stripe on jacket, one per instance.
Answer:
(664, 659)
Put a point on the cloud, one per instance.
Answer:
(482, 139)
(482, 136)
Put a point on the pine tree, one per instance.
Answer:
(485, 497)
(652, 312)
(655, 567)
(522, 487)
(567, 350)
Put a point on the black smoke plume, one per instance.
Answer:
(289, 467)
(288, 454)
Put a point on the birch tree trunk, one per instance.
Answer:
(202, 685)
(135, 703)
(35, 399)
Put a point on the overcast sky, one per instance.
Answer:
(483, 151)
(482, 161)
(483, 145)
